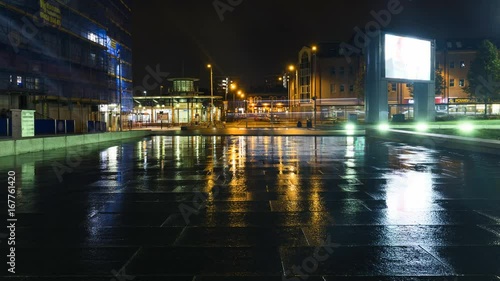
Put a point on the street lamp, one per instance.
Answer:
(211, 94)
(314, 98)
(291, 69)
(120, 89)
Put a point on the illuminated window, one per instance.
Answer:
(462, 64)
(461, 83)
(19, 81)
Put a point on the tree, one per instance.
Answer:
(359, 84)
(484, 74)
(440, 83)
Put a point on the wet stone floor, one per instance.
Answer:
(253, 208)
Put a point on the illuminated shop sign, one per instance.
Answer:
(50, 12)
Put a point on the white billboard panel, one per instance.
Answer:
(407, 58)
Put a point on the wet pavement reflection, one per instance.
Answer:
(255, 208)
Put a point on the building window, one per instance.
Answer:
(462, 64)
(408, 85)
(351, 70)
(333, 70)
(342, 70)
(452, 64)
(37, 83)
(461, 83)
(394, 87)
(342, 88)
(19, 81)
(452, 82)
(332, 88)
(351, 88)
(30, 83)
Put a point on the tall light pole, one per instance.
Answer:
(291, 69)
(211, 94)
(314, 98)
(234, 101)
(233, 88)
(120, 89)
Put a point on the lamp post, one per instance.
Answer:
(211, 94)
(234, 102)
(291, 69)
(120, 89)
(314, 49)
(233, 88)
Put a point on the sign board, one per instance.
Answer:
(23, 123)
(50, 12)
(463, 100)
(27, 123)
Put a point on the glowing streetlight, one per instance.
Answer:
(291, 68)
(314, 97)
(211, 93)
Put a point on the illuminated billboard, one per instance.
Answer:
(407, 58)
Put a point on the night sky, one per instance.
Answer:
(261, 37)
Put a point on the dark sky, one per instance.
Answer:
(261, 37)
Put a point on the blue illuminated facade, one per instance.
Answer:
(67, 59)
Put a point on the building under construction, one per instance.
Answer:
(67, 59)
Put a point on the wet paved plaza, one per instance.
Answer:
(254, 208)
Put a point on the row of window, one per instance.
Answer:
(342, 88)
(461, 83)
(30, 83)
(333, 70)
(342, 69)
